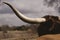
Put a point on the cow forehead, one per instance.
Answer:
(51, 17)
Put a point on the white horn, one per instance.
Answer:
(24, 18)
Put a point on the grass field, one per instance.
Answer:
(17, 35)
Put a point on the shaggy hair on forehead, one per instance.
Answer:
(51, 26)
(49, 17)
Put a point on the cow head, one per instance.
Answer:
(50, 26)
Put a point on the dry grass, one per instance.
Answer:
(17, 35)
(24, 35)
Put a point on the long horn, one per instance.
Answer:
(24, 18)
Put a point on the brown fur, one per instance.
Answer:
(49, 37)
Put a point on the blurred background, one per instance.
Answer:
(30, 8)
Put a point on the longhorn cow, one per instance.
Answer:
(48, 24)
